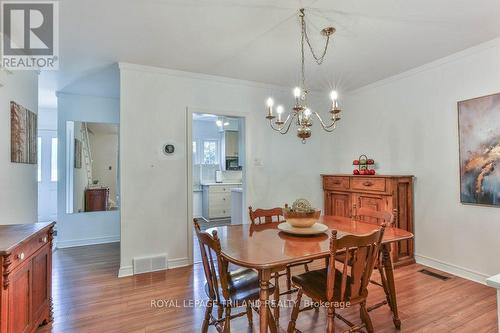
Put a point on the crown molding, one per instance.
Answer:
(431, 65)
(200, 76)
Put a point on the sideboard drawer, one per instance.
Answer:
(336, 183)
(368, 184)
(25, 249)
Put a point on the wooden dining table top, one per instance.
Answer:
(265, 246)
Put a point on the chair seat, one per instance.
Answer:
(313, 284)
(243, 285)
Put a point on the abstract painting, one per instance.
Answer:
(479, 136)
(23, 135)
(78, 154)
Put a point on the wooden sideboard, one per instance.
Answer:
(343, 194)
(96, 199)
(26, 279)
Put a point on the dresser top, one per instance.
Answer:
(358, 176)
(13, 234)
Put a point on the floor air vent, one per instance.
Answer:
(433, 274)
(150, 264)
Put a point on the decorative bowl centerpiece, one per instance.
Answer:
(301, 215)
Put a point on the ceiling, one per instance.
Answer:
(259, 40)
(103, 128)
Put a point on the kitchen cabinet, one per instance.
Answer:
(231, 143)
(217, 200)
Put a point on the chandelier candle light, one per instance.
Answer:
(301, 114)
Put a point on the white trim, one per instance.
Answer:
(430, 65)
(494, 281)
(125, 271)
(89, 241)
(71, 94)
(201, 76)
(452, 269)
(189, 165)
(178, 262)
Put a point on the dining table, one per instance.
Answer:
(267, 250)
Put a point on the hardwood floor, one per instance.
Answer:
(88, 297)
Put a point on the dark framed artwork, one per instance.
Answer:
(479, 139)
(78, 154)
(23, 134)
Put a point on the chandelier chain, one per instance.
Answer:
(319, 59)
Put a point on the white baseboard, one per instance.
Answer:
(452, 269)
(125, 271)
(178, 262)
(89, 241)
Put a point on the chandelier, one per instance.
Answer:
(301, 114)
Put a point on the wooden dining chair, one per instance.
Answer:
(378, 217)
(369, 215)
(263, 216)
(225, 289)
(344, 286)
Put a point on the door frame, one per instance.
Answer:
(189, 165)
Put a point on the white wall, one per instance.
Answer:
(409, 125)
(93, 227)
(154, 187)
(18, 200)
(47, 119)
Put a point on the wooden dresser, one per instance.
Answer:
(343, 194)
(26, 279)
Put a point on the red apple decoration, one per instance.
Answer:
(370, 161)
(355, 162)
(355, 172)
(372, 172)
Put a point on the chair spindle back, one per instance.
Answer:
(214, 266)
(361, 253)
(263, 216)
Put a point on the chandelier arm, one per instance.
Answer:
(328, 128)
(285, 126)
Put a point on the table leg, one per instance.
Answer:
(265, 276)
(389, 275)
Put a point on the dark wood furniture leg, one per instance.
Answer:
(265, 276)
(277, 299)
(391, 287)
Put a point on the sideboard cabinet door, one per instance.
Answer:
(339, 204)
(20, 309)
(41, 284)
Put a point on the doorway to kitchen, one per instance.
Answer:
(217, 167)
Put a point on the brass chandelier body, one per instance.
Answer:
(300, 114)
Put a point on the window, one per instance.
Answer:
(53, 161)
(195, 155)
(39, 157)
(210, 152)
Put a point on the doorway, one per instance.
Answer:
(217, 166)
